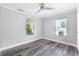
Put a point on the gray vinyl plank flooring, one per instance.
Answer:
(45, 48)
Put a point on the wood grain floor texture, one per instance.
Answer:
(45, 48)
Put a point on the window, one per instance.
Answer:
(61, 27)
(29, 26)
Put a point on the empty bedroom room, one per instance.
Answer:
(39, 29)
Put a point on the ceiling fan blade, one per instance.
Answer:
(48, 8)
(42, 7)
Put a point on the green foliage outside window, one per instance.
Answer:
(29, 26)
(61, 33)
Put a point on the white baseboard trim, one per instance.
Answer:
(60, 42)
(18, 44)
(2, 49)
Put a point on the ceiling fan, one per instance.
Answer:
(42, 7)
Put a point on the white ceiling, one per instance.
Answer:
(31, 8)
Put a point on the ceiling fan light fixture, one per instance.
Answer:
(42, 7)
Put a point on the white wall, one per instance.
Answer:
(78, 27)
(0, 31)
(12, 28)
(49, 28)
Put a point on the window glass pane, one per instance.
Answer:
(61, 27)
(29, 26)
